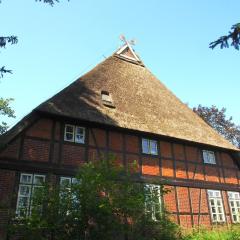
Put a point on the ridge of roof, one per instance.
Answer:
(142, 103)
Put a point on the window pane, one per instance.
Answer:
(205, 156)
(79, 138)
(215, 202)
(209, 157)
(39, 179)
(75, 181)
(69, 133)
(65, 181)
(69, 128)
(145, 145)
(153, 201)
(237, 196)
(218, 202)
(234, 203)
(23, 202)
(153, 145)
(69, 136)
(157, 216)
(24, 190)
(213, 209)
(28, 185)
(26, 178)
(79, 130)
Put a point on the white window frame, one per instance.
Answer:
(71, 180)
(155, 203)
(31, 185)
(209, 157)
(65, 133)
(74, 134)
(149, 147)
(68, 187)
(234, 204)
(216, 206)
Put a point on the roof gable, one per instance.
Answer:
(127, 52)
(141, 102)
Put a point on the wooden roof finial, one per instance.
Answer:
(126, 50)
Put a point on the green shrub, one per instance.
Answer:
(216, 234)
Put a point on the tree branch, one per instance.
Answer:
(50, 2)
(233, 36)
(5, 40)
(3, 70)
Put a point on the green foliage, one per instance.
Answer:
(103, 203)
(217, 234)
(218, 120)
(233, 36)
(5, 110)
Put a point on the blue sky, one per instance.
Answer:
(58, 44)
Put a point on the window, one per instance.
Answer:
(67, 191)
(216, 206)
(79, 134)
(67, 181)
(74, 134)
(234, 202)
(29, 183)
(149, 146)
(153, 201)
(209, 157)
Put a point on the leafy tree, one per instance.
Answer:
(5, 110)
(103, 203)
(217, 119)
(233, 36)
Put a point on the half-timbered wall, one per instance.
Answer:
(41, 148)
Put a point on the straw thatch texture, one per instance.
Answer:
(141, 103)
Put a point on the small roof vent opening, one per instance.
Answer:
(107, 99)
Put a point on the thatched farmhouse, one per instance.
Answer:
(120, 107)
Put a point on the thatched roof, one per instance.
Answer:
(140, 102)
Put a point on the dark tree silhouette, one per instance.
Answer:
(50, 2)
(3, 42)
(217, 119)
(233, 37)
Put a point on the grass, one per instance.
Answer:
(215, 234)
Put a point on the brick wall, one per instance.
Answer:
(7, 180)
(43, 143)
(12, 150)
(191, 207)
(175, 160)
